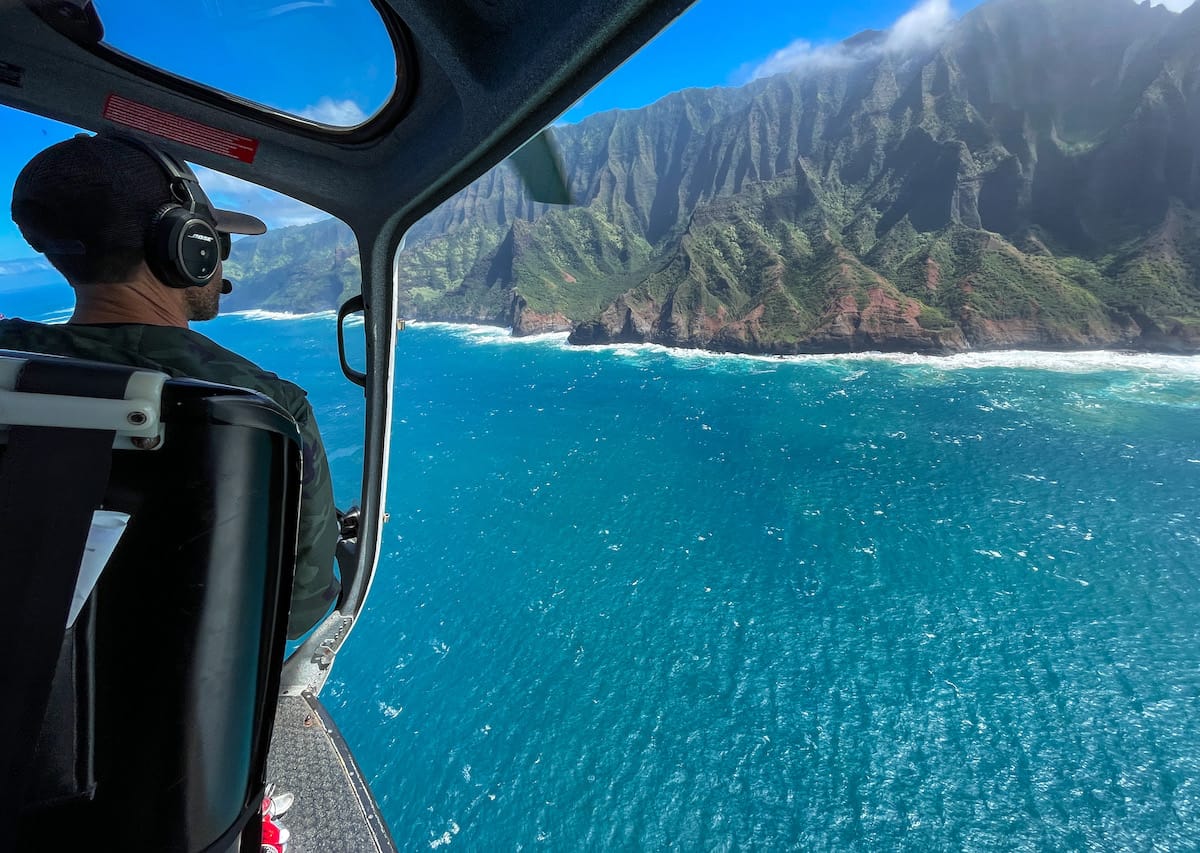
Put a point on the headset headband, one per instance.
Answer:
(181, 178)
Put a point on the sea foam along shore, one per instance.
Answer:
(1081, 361)
(259, 314)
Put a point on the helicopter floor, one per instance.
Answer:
(334, 808)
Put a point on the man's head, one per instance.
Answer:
(98, 207)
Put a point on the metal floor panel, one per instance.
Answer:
(334, 809)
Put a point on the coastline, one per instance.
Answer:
(1072, 361)
(1176, 345)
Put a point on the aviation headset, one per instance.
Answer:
(183, 245)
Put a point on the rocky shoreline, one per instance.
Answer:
(881, 326)
(849, 331)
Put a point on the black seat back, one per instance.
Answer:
(160, 713)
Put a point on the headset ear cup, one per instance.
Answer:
(182, 248)
(168, 221)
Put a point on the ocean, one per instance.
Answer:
(632, 599)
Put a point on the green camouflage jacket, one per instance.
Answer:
(184, 353)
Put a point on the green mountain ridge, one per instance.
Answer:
(1033, 181)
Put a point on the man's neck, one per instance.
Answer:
(142, 299)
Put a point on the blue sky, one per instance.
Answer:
(330, 60)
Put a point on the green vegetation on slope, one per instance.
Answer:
(1031, 181)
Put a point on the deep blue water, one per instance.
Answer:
(632, 599)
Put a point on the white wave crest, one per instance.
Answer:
(463, 328)
(1180, 366)
(1066, 362)
(477, 333)
(58, 317)
(1086, 361)
(259, 314)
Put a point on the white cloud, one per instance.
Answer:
(335, 113)
(920, 27)
(275, 209)
(801, 56)
(1173, 5)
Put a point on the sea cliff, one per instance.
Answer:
(1029, 179)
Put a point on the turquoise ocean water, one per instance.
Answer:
(634, 599)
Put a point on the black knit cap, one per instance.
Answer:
(96, 195)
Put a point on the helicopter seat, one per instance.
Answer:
(139, 694)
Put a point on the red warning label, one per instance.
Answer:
(131, 114)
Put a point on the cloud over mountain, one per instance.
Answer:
(919, 28)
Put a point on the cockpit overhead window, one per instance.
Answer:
(332, 62)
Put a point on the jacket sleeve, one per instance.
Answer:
(315, 588)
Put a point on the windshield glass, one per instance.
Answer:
(330, 62)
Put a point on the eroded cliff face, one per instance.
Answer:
(524, 321)
(1031, 181)
(884, 324)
